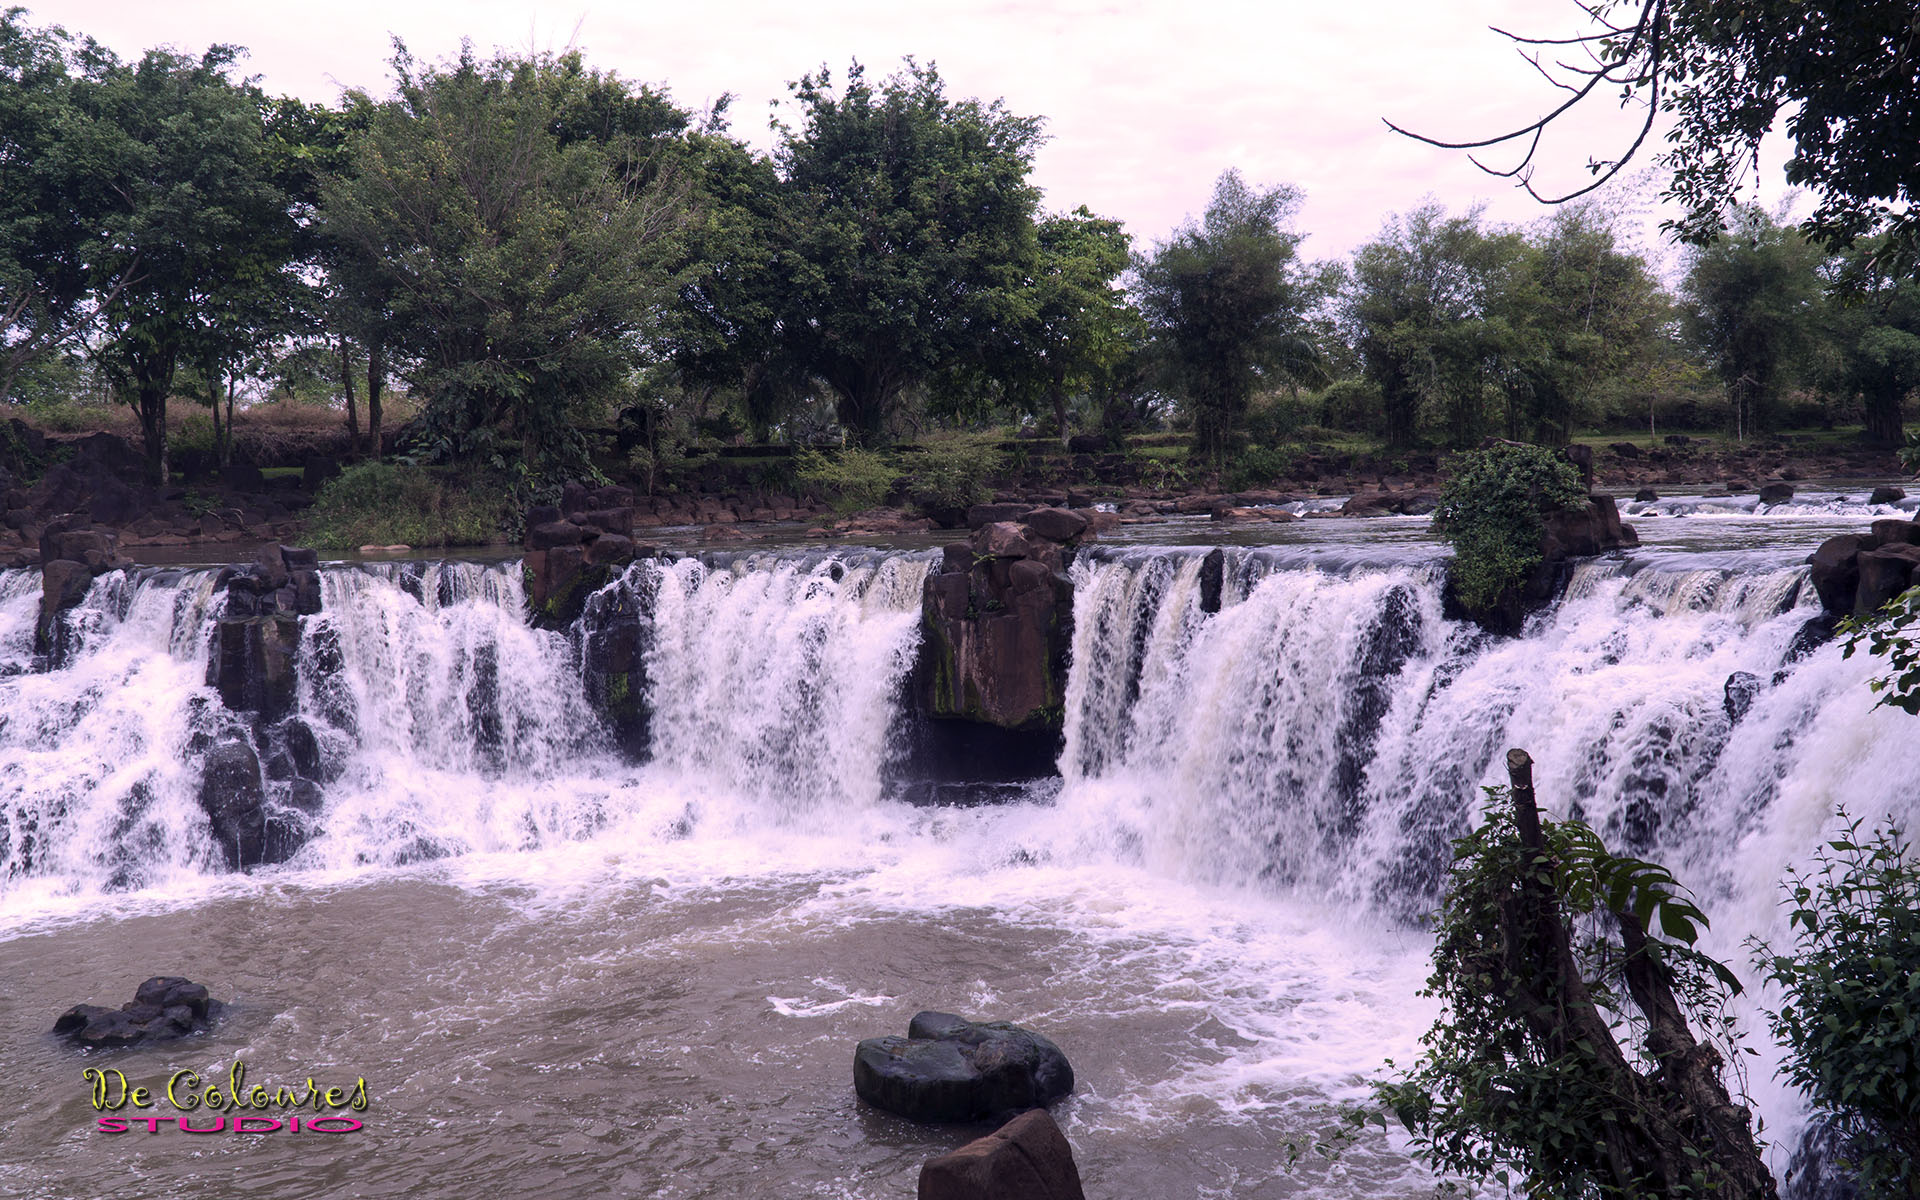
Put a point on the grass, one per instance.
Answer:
(386, 504)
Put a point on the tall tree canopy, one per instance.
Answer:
(202, 233)
(910, 228)
(1752, 300)
(1873, 327)
(512, 222)
(58, 174)
(1227, 304)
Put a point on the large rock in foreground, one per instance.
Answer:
(1028, 1158)
(162, 1009)
(950, 1069)
(1856, 573)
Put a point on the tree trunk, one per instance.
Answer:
(1059, 393)
(225, 440)
(1883, 418)
(1687, 1129)
(353, 412)
(376, 378)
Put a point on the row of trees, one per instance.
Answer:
(532, 246)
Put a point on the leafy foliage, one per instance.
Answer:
(384, 504)
(1227, 301)
(519, 229)
(1751, 302)
(1850, 1009)
(1491, 513)
(1519, 1081)
(910, 235)
(951, 471)
(1888, 634)
(854, 478)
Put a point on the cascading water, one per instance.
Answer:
(1212, 909)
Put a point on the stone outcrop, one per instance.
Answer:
(163, 1008)
(1028, 1158)
(950, 1069)
(260, 811)
(73, 553)
(1856, 573)
(1569, 533)
(573, 549)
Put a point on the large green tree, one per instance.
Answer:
(1751, 300)
(59, 174)
(1227, 302)
(909, 236)
(203, 231)
(1424, 309)
(507, 228)
(1873, 329)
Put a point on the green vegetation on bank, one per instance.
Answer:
(531, 250)
(386, 504)
(1492, 511)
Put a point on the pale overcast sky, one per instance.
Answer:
(1145, 102)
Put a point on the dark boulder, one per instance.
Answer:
(1055, 524)
(1624, 449)
(1835, 569)
(1891, 531)
(164, 1008)
(318, 469)
(1646, 495)
(1774, 493)
(1213, 579)
(951, 1069)
(1887, 494)
(234, 796)
(1028, 1158)
(253, 662)
(1884, 574)
(1741, 688)
(554, 534)
(987, 514)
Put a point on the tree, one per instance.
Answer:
(1420, 308)
(1751, 303)
(1547, 947)
(1585, 312)
(202, 230)
(911, 234)
(1874, 332)
(59, 172)
(1226, 302)
(503, 226)
(1845, 72)
(1073, 339)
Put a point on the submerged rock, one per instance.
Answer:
(1028, 1158)
(950, 1069)
(163, 1008)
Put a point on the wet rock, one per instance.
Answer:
(1646, 495)
(1895, 532)
(1773, 493)
(1741, 688)
(1212, 579)
(234, 796)
(1028, 1158)
(163, 1009)
(951, 1069)
(987, 514)
(1884, 574)
(253, 664)
(1887, 494)
(553, 534)
(1055, 524)
(1835, 569)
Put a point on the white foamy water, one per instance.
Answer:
(1213, 910)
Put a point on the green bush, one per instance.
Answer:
(952, 471)
(1255, 466)
(384, 504)
(1849, 1018)
(850, 479)
(1889, 634)
(1492, 512)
